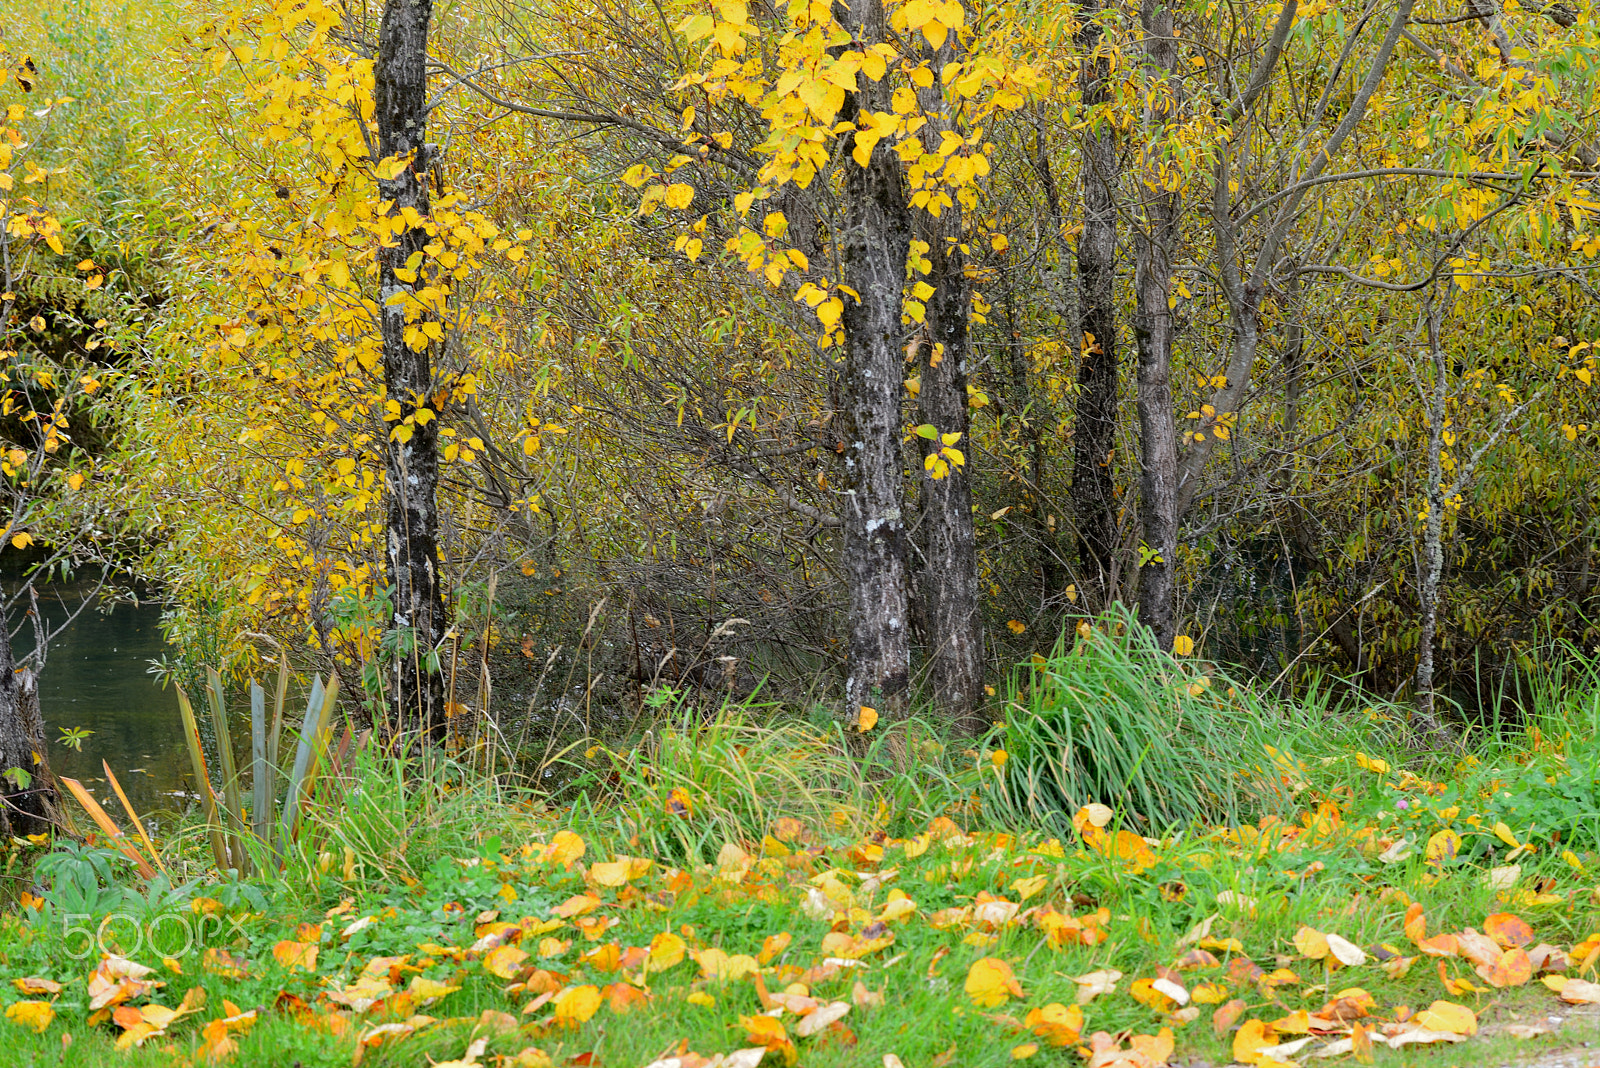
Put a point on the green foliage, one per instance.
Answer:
(241, 837)
(1113, 719)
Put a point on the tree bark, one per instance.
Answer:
(1153, 327)
(950, 553)
(873, 248)
(27, 801)
(411, 458)
(1095, 433)
(1430, 564)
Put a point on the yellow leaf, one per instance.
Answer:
(22, 540)
(991, 982)
(1312, 944)
(611, 873)
(679, 195)
(1443, 846)
(1024, 1051)
(426, 990)
(723, 967)
(1448, 1016)
(666, 951)
(1252, 1037)
(1026, 888)
(564, 847)
(868, 719)
(1183, 645)
(504, 961)
(576, 1005)
(34, 1014)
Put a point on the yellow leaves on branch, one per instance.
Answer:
(934, 20)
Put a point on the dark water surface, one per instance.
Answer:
(97, 677)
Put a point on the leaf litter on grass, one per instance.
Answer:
(1115, 946)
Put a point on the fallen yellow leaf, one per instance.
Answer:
(991, 982)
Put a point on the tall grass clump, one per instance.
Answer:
(699, 780)
(1112, 718)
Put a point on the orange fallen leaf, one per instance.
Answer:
(1514, 968)
(1480, 949)
(33, 985)
(1416, 923)
(292, 955)
(1057, 1024)
(1509, 931)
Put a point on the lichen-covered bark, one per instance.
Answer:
(411, 466)
(1158, 460)
(873, 247)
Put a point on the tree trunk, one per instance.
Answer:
(411, 458)
(950, 553)
(1095, 433)
(1430, 566)
(873, 248)
(27, 800)
(1158, 460)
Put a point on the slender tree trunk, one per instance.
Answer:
(411, 458)
(1095, 434)
(874, 244)
(27, 789)
(950, 553)
(1430, 565)
(1153, 327)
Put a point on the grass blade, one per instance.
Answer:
(279, 698)
(133, 817)
(217, 698)
(318, 708)
(260, 770)
(106, 824)
(208, 800)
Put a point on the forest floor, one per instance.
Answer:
(733, 895)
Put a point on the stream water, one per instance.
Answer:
(97, 678)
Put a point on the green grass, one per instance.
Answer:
(707, 793)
